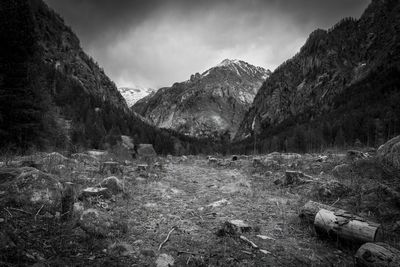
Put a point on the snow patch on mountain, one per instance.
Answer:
(132, 95)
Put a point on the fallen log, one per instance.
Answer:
(376, 255)
(346, 226)
(337, 223)
(311, 208)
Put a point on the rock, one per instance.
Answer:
(96, 192)
(165, 260)
(356, 155)
(219, 203)
(342, 171)
(85, 158)
(110, 167)
(146, 150)
(331, 189)
(212, 160)
(100, 155)
(29, 186)
(113, 184)
(321, 159)
(389, 153)
(296, 177)
(120, 249)
(127, 142)
(234, 228)
(278, 181)
(95, 223)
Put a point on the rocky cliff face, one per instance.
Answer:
(328, 64)
(208, 104)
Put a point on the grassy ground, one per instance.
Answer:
(191, 199)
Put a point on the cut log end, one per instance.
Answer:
(377, 254)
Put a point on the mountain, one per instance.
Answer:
(208, 104)
(133, 95)
(342, 85)
(53, 95)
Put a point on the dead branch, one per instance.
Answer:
(37, 213)
(26, 212)
(166, 239)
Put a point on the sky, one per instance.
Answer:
(154, 43)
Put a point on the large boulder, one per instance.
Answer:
(113, 184)
(389, 153)
(146, 150)
(342, 171)
(30, 187)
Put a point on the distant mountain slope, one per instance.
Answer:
(53, 95)
(333, 64)
(133, 95)
(209, 104)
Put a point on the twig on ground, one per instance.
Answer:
(252, 244)
(187, 262)
(337, 200)
(8, 212)
(26, 212)
(166, 239)
(37, 213)
(187, 252)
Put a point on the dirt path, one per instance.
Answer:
(196, 199)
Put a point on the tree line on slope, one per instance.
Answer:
(366, 113)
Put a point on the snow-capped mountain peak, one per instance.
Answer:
(132, 95)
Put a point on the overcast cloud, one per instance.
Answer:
(154, 43)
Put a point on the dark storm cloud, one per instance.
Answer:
(158, 42)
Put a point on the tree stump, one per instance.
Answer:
(110, 168)
(377, 254)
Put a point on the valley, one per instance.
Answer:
(174, 210)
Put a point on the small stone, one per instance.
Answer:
(165, 260)
(219, 203)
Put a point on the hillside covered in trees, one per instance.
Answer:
(342, 88)
(53, 95)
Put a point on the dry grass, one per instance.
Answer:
(177, 194)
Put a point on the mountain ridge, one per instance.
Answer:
(208, 104)
(331, 61)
